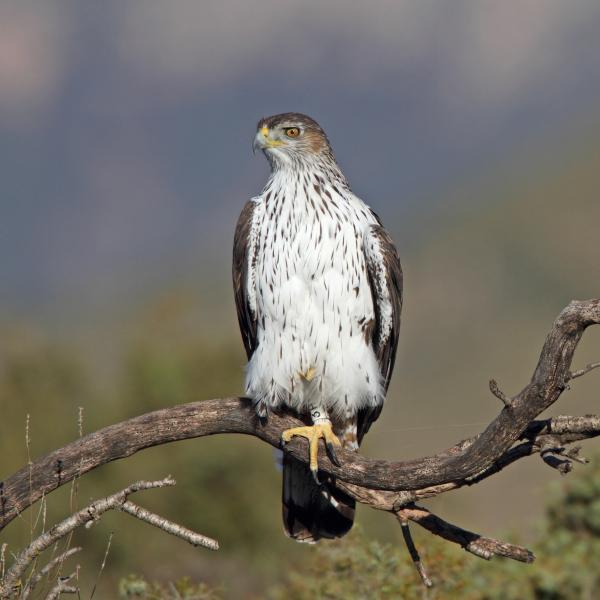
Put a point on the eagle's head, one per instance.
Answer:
(290, 138)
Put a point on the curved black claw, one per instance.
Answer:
(332, 454)
(282, 441)
(315, 474)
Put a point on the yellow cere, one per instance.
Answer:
(265, 131)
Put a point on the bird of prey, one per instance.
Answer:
(318, 290)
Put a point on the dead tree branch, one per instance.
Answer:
(62, 587)
(583, 371)
(37, 577)
(11, 582)
(472, 542)
(195, 539)
(495, 389)
(412, 550)
(389, 486)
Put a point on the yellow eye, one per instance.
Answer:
(292, 132)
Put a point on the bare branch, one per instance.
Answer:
(583, 371)
(573, 454)
(88, 516)
(471, 542)
(495, 389)
(103, 564)
(568, 430)
(552, 453)
(196, 539)
(555, 455)
(567, 427)
(2, 559)
(414, 553)
(36, 577)
(62, 587)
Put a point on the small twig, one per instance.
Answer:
(30, 467)
(412, 550)
(103, 565)
(36, 577)
(471, 542)
(573, 454)
(3, 559)
(558, 457)
(80, 421)
(581, 372)
(196, 539)
(495, 389)
(41, 515)
(552, 453)
(62, 587)
(563, 466)
(60, 564)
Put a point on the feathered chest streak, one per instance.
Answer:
(304, 235)
(309, 292)
(312, 290)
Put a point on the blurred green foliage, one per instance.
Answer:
(134, 587)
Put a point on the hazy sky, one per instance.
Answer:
(125, 127)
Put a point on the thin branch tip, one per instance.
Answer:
(474, 543)
(573, 454)
(192, 537)
(412, 550)
(495, 389)
(581, 372)
(555, 455)
(36, 577)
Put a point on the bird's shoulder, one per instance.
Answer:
(249, 212)
(364, 213)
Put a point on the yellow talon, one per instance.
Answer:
(313, 433)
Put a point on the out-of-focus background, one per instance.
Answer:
(473, 130)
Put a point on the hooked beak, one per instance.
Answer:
(263, 140)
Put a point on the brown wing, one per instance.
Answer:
(385, 279)
(244, 257)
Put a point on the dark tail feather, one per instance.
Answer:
(312, 512)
